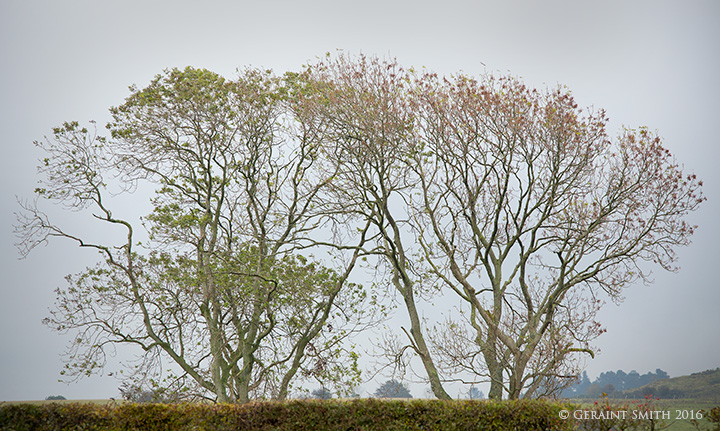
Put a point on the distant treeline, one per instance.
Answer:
(612, 383)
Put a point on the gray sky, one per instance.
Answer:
(653, 63)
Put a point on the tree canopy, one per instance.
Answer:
(512, 200)
(218, 287)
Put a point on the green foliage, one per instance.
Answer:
(364, 414)
(216, 288)
(54, 416)
(712, 418)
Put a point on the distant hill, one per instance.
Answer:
(612, 383)
(703, 385)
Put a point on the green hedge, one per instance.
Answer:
(361, 414)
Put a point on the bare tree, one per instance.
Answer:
(218, 288)
(528, 210)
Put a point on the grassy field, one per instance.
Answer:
(684, 407)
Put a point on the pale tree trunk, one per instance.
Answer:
(404, 285)
(421, 347)
(495, 369)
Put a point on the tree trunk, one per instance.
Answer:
(494, 366)
(419, 340)
(216, 365)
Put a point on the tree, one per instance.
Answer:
(475, 394)
(510, 199)
(360, 111)
(578, 387)
(521, 203)
(527, 212)
(392, 389)
(139, 394)
(218, 288)
(321, 394)
(55, 398)
(593, 391)
(608, 389)
(660, 374)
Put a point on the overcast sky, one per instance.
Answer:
(652, 63)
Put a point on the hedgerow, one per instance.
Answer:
(361, 414)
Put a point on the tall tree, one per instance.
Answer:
(520, 202)
(360, 111)
(511, 199)
(218, 287)
(527, 211)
